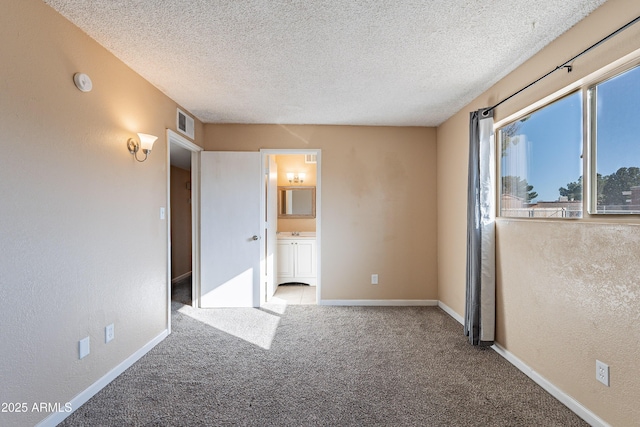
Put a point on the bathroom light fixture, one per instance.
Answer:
(296, 178)
(146, 143)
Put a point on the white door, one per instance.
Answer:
(230, 224)
(271, 220)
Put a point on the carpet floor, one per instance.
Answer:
(320, 366)
(181, 291)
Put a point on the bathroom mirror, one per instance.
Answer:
(296, 202)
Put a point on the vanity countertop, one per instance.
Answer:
(296, 235)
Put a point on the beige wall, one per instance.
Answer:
(378, 203)
(567, 291)
(180, 222)
(295, 163)
(82, 242)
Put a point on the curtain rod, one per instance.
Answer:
(566, 64)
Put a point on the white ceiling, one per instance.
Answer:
(398, 63)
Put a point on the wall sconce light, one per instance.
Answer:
(146, 143)
(296, 178)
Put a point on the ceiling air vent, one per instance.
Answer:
(311, 158)
(185, 124)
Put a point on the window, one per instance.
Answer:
(615, 144)
(540, 162)
(541, 153)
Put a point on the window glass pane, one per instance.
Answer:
(541, 166)
(617, 143)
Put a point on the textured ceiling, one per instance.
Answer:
(398, 63)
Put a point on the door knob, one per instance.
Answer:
(255, 238)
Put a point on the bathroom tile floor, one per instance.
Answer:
(296, 294)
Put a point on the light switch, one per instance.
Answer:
(83, 348)
(162, 212)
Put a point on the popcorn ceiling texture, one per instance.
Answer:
(409, 63)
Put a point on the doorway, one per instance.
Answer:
(182, 183)
(297, 234)
(177, 144)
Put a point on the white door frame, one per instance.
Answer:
(285, 151)
(268, 265)
(175, 138)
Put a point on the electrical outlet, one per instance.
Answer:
(374, 279)
(602, 372)
(108, 333)
(83, 348)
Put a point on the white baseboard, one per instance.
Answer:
(57, 417)
(450, 312)
(379, 302)
(180, 277)
(564, 398)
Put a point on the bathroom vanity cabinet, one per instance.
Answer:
(297, 259)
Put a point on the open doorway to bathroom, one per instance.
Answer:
(297, 232)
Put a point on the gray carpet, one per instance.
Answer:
(320, 366)
(181, 290)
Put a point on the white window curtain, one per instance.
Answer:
(479, 322)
